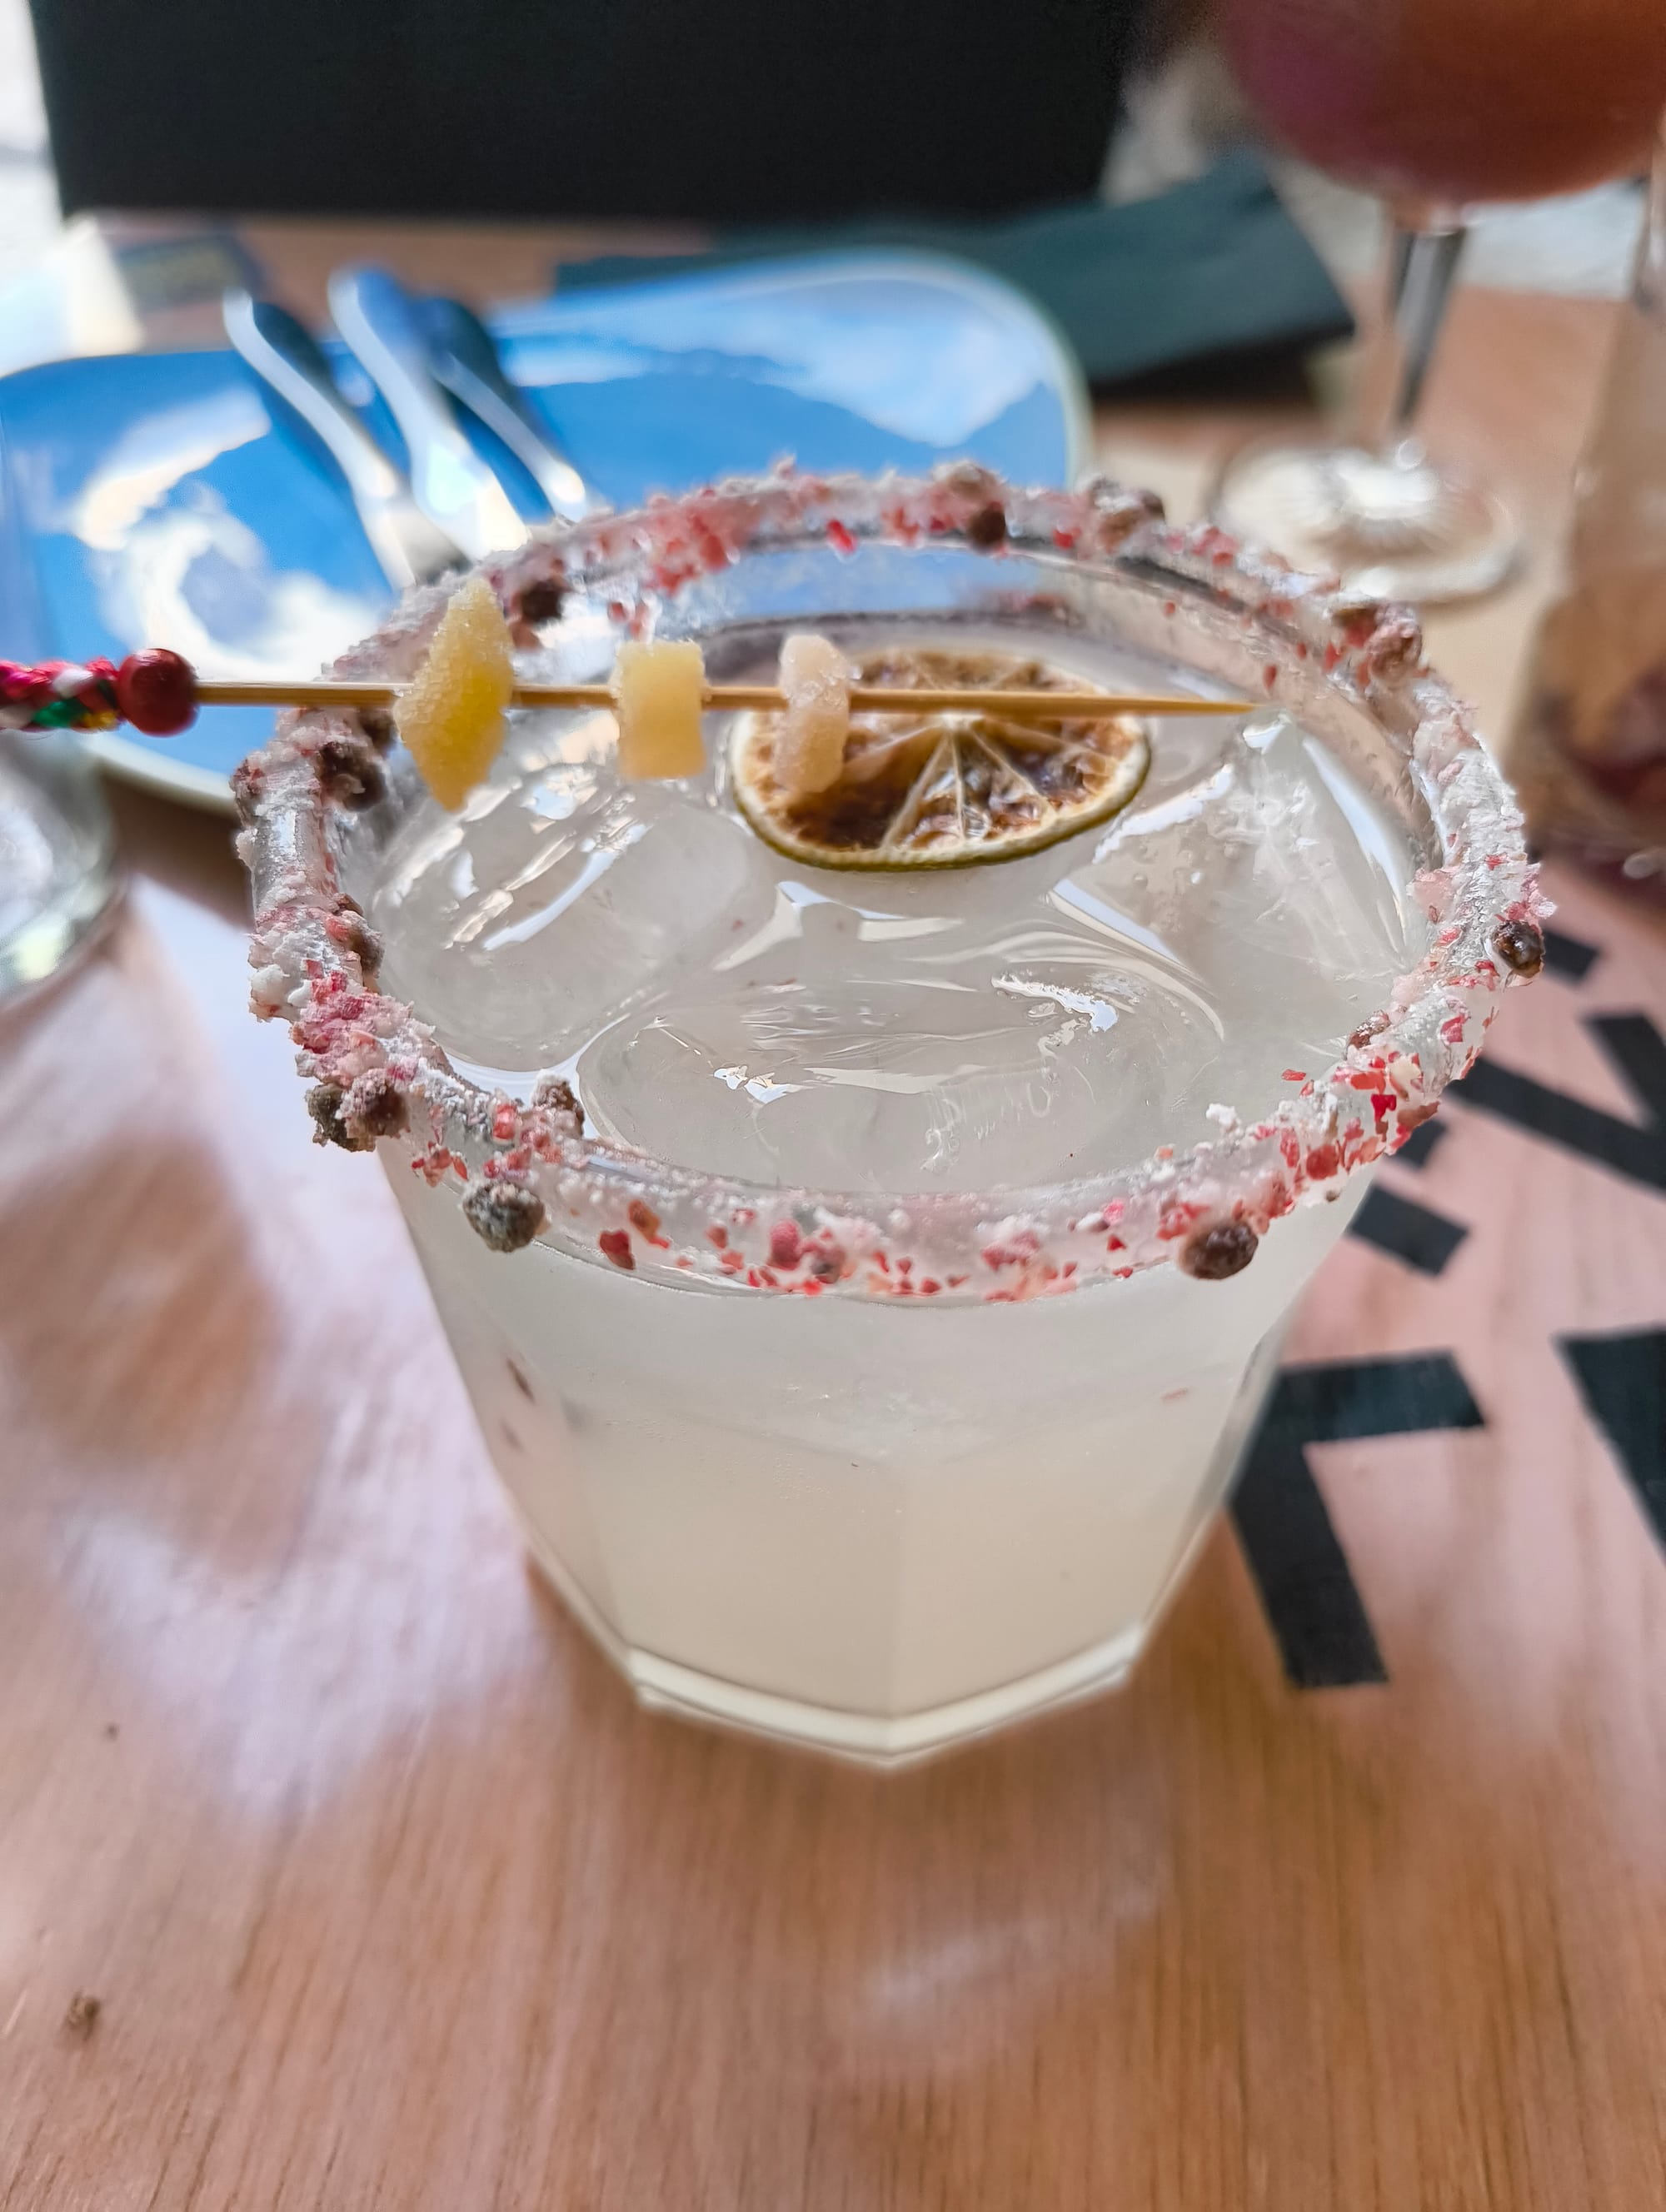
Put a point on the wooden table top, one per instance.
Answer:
(338, 1870)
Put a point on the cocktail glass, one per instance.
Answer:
(872, 1470)
(1438, 105)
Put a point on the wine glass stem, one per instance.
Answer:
(1423, 259)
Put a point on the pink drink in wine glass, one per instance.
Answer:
(1455, 102)
(1437, 105)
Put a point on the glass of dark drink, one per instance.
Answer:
(1438, 105)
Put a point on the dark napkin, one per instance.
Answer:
(1211, 270)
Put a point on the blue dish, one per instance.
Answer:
(152, 499)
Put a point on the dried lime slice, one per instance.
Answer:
(943, 791)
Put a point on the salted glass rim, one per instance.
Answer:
(523, 1171)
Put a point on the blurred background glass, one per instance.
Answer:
(57, 842)
(1437, 105)
(57, 856)
(1588, 753)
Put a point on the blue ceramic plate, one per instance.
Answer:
(152, 499)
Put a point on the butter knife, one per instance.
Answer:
(465, 359)
(282, 353)
(448, 480)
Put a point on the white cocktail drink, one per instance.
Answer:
(877, 1523)
(869, 1420)
(877, 1527)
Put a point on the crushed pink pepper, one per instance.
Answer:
(315, 970)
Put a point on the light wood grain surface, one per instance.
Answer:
(338, 1871)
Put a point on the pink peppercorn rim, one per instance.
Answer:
(523, 1172)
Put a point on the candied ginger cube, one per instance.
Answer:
(451, 713)
(809, 748)
(659, 693)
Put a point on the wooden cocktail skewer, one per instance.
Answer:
(159, 692)
(721, 698)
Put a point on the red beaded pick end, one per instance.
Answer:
(156, 692)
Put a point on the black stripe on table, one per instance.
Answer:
(1418, 1234)
(1570, 955)
(1419, 1148)
(1636, 1150)
(1622, 1380)
(1312, 1603)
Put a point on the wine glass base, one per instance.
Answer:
(1394, 526)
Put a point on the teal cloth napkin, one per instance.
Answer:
(1211, 269)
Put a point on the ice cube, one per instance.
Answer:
(570, 902)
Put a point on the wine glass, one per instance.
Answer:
(1437, 105)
